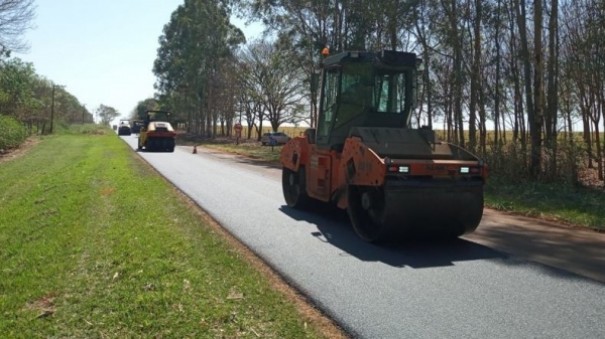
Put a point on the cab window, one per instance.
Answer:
(329, 105)
(390, 93)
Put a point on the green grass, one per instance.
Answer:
(559, 202)
(12, 133)
(96, 244)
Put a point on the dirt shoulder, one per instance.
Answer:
(18, 152)
(573, 249)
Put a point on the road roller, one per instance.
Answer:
(364, 156)
(156, 133)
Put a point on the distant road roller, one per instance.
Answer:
(393, 180)
(157, 133)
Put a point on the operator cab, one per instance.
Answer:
(365, 89)
(155, 115)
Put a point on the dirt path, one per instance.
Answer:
(572, 249)
(16, 153)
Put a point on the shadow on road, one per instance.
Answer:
(571, 249)
(334, 228)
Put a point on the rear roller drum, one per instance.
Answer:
(294, 188)
(366, 209)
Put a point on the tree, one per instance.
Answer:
(15, 18)
(584, 46)
(552, 104)
(143, 106)
(536, 118)
(195, 43)
(486, 63)
(106, 113)
(277, 84)
(16, 83)
(34, 100)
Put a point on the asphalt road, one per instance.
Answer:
(482, 286)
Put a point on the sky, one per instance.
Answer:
(101, 51)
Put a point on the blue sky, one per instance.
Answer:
(101, 51)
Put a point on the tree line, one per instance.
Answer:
(36, 101)
(521, 83)
(28, 100)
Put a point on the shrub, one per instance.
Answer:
(12, 133)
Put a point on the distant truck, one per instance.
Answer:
(124, 128)
(136, 126)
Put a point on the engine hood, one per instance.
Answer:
(409, 143)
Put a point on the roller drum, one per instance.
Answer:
(406, 208)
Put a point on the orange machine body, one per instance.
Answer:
(364, 156)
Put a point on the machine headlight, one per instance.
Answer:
(398, 169)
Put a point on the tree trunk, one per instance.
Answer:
(553, 76)
(520, 12)
(536, 118)
(456, 45)
(597, 138)
(475, 78)
(426, 58)
(497, 80)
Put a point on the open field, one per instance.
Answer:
(96, 244)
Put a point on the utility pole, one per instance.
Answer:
(52, 110)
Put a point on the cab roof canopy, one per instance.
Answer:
(386, 58)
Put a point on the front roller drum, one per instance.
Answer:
(384, 213)
(366, 210)
(160, 144)
(294, 188)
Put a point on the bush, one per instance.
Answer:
(12, 133)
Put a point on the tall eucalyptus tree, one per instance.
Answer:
(194, 44)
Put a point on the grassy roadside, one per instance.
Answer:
(557, 202)
(96, 244)
(574, 206)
